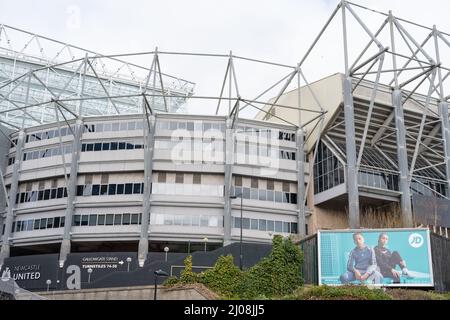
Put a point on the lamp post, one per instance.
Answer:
(128, 261)
(89, 272)
(158, 273)
(240, 239)
(166, 250)
(48, 282)
(205, 240)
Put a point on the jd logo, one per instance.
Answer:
(415, 240)
(74, 280)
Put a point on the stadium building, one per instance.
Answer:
(101, 161)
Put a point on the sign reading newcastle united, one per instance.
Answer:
(390, 257)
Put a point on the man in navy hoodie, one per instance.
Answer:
(362, 264)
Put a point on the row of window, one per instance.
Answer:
(46, 194)
(265, 225)
(440, 188)
(265, 195)
(328, 170)
(110, 146)
(188, 189)
(267, 133)
(114, 127)
(49, 134)
(37, 224)
(186, 220)
(189, 125)
(109, 189)
(46, 153)
(116, 219)
(378, 179)
(264, 151)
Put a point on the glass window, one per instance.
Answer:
(254, 224)
(278, 196)
(195, 220)
(168, 219)
(105, 146)
(101, 220)
(197, 178)
(95, 189)
(286, 227)
(103, 189)
(84, 220)
(270, 225)
(237, 222)
(179, 178)
(262, 225)
(115, 127)
(126, 219)
(246, 193)
(131, 125)
(30, 225)
(246, 223)
(117, 219)
(111, 189)
(93, 220)
(204, 221)
(89, 147)
(278, 226)
(37, 224)
(254, 194)
(121, 145)
(123, 126)
(128, 188)
(136, 188)
(49, 223)
(134, 218)
(46, 194)
(60, 191)
(113, 146)
(294, 227)
(56, 222)
(286, 197)
(43, 223)
(130, 146)
(186, 220)
(293, 198)
(120, 188)
(109, 219)
(76, 220)
(178, 220)
(262, 195)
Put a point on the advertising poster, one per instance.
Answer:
(390, 257)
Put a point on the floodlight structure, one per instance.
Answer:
(387, 134)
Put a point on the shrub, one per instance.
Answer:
(171, 281)
(187, 276)
(224, 278)
(406, 294)
(276, 275)
(338, 293)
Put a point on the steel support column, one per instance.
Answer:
(229, 160)
(5, 250)
(148, 173)
(71, 192)
(402, 156)
(301, 182)
(352, 171)
(443, 110)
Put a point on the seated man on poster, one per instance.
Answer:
(362, 264)
(387, 260)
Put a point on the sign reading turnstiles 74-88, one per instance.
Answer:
(385, 257)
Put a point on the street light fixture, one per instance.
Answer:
(158, 273)
(48, 282)
(128, 261)
(240, 239)
(205, 240)
(166, 250)
(89, 272)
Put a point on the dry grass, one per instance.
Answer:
(381, 217)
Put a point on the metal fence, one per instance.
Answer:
(310, 264)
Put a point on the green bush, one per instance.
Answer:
(338, 293)
(407, 294)
(171, 281)
(275, 275)
(187, 276)
(224, 278)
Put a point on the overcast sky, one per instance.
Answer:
(279, 31)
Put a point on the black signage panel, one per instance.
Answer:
(37, 272)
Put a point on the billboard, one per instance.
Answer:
(384, 257)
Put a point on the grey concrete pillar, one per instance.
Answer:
(71, 192)
(352, 173)
(301, 182)
(229, 160)
(443, 111)
(5, 250)
(402, 156)
(148, 173)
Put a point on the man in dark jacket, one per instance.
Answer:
(387, 260)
